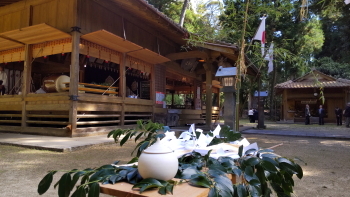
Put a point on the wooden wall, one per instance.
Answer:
(57, 13)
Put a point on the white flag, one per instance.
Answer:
(346, 1)
(269, 57)
(260, 35)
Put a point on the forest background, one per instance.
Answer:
(307, 34)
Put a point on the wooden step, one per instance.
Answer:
(133, 120)
(10, 121)
(47, 122)
(98, 122)
(47, 116)
(98, 115)
(137, 115)
(10, 115)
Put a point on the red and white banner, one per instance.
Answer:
(260, 35)
(269, 57)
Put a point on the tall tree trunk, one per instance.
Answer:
(183, 12)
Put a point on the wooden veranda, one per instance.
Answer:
(102, 65)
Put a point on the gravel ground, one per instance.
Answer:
(325, 175)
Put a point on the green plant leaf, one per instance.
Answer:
(110, 133)
(240, 151)
(274, 162)
(223, 183)
(80, 192)
(200, 180)
(133, 160)
(125, 139)
(94, 190)
(162, 190)
(254, 191)
(147, 184)
(45, 183)
(252, 161)
(250, 152)
(213, 192)
(101, 174)
(143, 146)
(170, 188)
(248, 173)
(267, 165)
(75, 179)
(206, 156)
(299, 171)
(138, 136)
(260, 174)
(241, 190)
(188, 172)
(254, 182)
(64, 185)
(288, 168)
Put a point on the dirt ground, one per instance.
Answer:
(325, 175)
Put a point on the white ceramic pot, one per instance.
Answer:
(158, 161)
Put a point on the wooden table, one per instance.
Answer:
(123, 189)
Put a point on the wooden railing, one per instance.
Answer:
(94, 88)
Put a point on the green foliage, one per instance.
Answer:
(227, 135)
(89, 180)
(147, 131)
(259, 173)
(335, 69)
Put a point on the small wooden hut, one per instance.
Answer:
(82, 67)
(311, 89)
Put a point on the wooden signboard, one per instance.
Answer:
(145, 90)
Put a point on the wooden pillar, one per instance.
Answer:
(26, 82)
(74, 82)
(122, 87)
(208, 101)
(285, 105)
(153, 91)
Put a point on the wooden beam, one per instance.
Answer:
(176, 68)
(187, 55)
(221, 48)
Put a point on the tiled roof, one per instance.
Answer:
(339, 83)
(309, 81)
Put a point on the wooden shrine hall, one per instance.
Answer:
(314, 88)
(84, 67)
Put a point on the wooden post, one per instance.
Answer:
(74, 81)
(153, 91)
(285, 105)
(122, 87)
(26, 82)
(208, 101)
